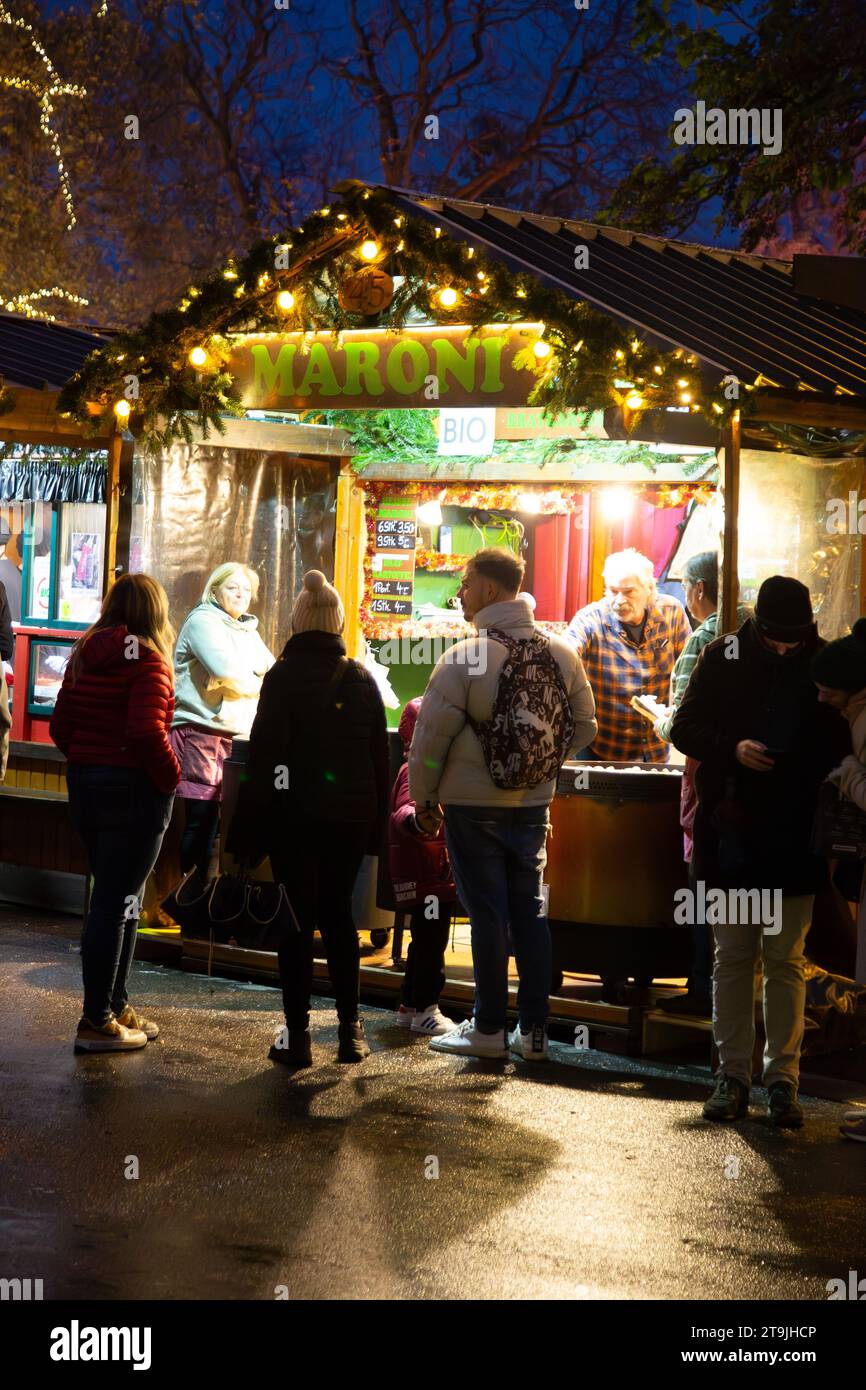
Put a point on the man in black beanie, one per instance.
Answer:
(752, 718)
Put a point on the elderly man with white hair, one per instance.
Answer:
(628, 643)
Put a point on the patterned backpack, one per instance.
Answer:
(528, 736)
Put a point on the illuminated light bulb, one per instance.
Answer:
(230, 274)
(616, 503)
(470, 252)
(528, 502)
(619, 355)
(430, 513)
(324, 212)
(122, 409)
(481, 275)
(483, 289)
(285, 300)
(634, 401)
(520, 294)
(682, 382)
(198, 357)
(685, 398)
(448, 297)
(659, 371)
(342, 217)
(398, 221)
(121, 357)
(578, 345)
(437, 231)
(192, 292)
(369, 250)
(635, 344)
(541, 348)
(264, 280)
(717, 408)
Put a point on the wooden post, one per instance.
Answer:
(112, 508)
(730, 558)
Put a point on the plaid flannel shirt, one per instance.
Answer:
(617, 670)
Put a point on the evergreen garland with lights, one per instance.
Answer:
(171, 376)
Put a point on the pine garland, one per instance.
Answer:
(593, 362)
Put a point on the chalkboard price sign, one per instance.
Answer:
(393, 563)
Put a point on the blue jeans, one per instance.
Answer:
(121, 817)
(498, 857)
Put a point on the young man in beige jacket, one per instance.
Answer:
(496, 837)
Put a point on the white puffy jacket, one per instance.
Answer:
(446, 764)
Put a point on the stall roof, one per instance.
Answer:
(735, 311)
(42, 355)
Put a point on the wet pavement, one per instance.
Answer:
(593, 1176)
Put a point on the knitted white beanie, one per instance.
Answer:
(318, 607)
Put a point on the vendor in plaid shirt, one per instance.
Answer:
(628, 642)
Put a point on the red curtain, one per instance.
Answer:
(561, 577)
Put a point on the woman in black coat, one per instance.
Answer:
(314, 798)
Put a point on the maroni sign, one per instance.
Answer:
(376, 368)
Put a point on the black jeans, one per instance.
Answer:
(424, 979)
(318, 863)
(199, 833)
(121, 818)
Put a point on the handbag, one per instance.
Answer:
(232, 907)
(839, 826)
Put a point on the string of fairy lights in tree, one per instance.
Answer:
(45, 93)
(26, 303)
(363, 263)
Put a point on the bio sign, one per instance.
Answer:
(418, 367)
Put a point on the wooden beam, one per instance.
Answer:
(730, 558)
(35, 420)
(112, 510)
(810, 408)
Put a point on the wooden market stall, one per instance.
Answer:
(388, 309)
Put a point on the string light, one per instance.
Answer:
(24, 303)
(541, 348)
(659, 371)
(198, 357)
(634, 401)
(285, 300)
(619, 355)
(54, 88)
(122, 409)
(230, 273)
(448, 297)
(369, 250)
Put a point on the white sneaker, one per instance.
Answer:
(432, 1022)
(531, 1046)
(405, 1017)
(466, 1041)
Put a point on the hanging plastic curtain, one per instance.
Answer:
(35, 478)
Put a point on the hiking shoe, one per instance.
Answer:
(854, 1129)
(729, 1101)
(130, 1019)
(692, 1005)
(532, 1045)
(292, 1048)
(785, 1110)
(353, 1044)
(108, 1037)
(432, 1022)
(405, 1017)
(467, 1041)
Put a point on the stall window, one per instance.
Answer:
(48, 662)
(63, 558)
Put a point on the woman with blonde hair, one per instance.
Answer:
(112, 721)
(219, 666)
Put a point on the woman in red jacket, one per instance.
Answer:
(422, 882)
(111, 721)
